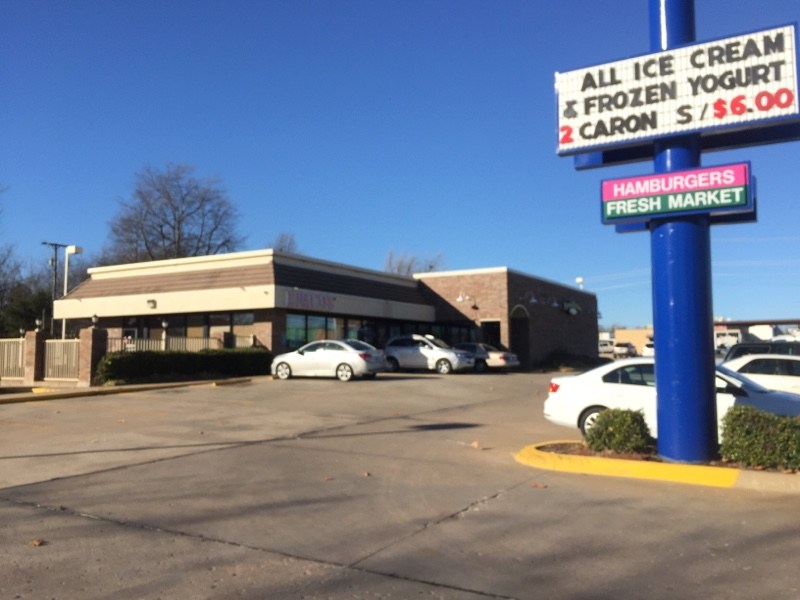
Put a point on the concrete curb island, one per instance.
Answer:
(720, 477)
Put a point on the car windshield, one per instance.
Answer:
(437, 342)
(740, 380)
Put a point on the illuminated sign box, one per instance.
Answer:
(715, 191)
(733, 83)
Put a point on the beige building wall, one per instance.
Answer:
(637, 337)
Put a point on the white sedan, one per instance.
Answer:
(487, 356)
(575, 401)
(774, 371)
(343, 359)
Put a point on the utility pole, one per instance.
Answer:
(54, 264)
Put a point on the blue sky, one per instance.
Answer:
(424, 127)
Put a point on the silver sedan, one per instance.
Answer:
(343, 359)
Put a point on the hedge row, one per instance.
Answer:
(754, 438)
(750, 437)
(620, 430)
(139, 367)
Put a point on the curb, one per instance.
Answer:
(41, 394)
(719, 477)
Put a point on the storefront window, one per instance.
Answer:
(316, 329)
(295, 331)
(244, 318)
(335, 328)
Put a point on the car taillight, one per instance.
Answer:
(553, 388)
(365, 355)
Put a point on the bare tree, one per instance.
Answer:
(172, 214)
(285, 242)
(404, 264)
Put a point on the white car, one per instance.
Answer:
(624, 350)
(605, 347)
(343, 359)
(487, 356)
(774, 371)
(426, 352)
(575, 401)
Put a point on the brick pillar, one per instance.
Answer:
(34, 357)
(93, 344)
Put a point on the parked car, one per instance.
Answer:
(487, 356)
(624, 350)
(774, 371)
(575, 401)
(426, 352)
(605, 347)
(738, 350)
(649, 349)
(343, 359)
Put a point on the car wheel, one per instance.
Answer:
(480, 366)
(588, 418)
(344, 372)
(443, 366)
(283, 371)
(392, 365)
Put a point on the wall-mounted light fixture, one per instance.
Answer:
(572, 308)
(164, 323)
(38, 324)
(95, 319)
(462, 297)
(152, 303)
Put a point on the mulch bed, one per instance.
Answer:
(581, 449)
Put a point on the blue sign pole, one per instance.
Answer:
(682, 302)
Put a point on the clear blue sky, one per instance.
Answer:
(363, 126)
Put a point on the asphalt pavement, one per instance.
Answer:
(409, 486)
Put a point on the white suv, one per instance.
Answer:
(426, 352)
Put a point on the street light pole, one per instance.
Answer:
(67, 252)
(54, 263)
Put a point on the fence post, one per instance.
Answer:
(93, 344)
(34, 357)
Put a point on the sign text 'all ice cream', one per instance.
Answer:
(735, 82)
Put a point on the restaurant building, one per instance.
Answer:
(280, 301)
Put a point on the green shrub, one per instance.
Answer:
(754, 438)
(620, 431)
(139, 367)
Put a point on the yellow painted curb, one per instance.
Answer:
(532, 456)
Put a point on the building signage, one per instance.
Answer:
(712, 190)
(733, 83)
(309, 300)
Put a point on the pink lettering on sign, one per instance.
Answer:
(736, 175)
(310, 300)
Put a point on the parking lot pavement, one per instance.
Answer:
(401, 487)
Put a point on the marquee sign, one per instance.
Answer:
(727, 84)
(713, 190)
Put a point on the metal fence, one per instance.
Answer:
(61, 359)
(12, 358)
(182, 344)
